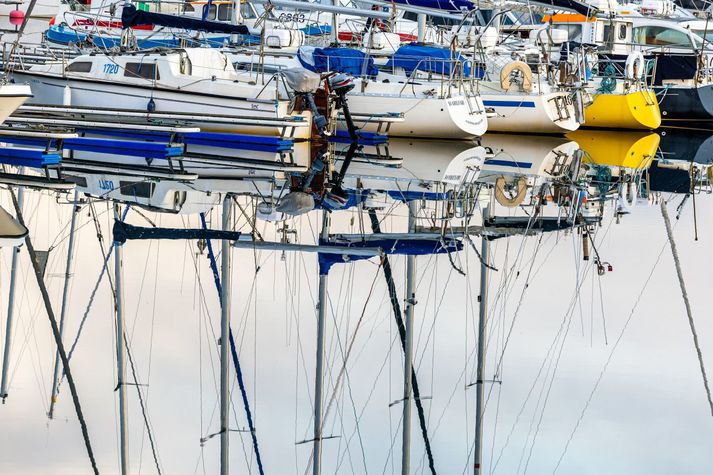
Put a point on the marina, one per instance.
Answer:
(355, 236)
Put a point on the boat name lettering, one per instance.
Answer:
(110, 68)
(106, 185)
(297, 17)
(456, 102)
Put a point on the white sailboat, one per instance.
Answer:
(198, 81)
(12, 96)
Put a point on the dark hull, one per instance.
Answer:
(687, 145)
(686, 103)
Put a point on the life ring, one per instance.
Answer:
(506, 201)
(524, 69)
(634, 68)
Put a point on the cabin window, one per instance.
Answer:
(574, 32)
(139, 189)
(211, 12)
(141, 70)
(622, 32)
(660, 36)
(78, 180)
(187, 7)
(225, 11)
(246, 11)
(79, 67)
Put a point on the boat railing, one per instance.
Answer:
(451, 74)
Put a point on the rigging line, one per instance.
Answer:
(144, 414)
(94, 290)
(684, 294)
(609, 359)
(234, 354)
(556, 362)
(345, 359)
(56, 335)
(375, 228)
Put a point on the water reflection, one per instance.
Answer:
(564, 191)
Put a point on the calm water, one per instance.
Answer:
(589, 369)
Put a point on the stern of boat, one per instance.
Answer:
(12, 96)
(635, 110)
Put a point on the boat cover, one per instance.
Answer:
(445, 5)
(130, 16)
(124, 232)
(428, 58)
(340, 60)
(581, 7)
(407, 247)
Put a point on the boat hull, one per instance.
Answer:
(680, 103)
(636, 110)
(103, 95)
(551, 113)
(424, 117)
(12, 96)
(626, 149)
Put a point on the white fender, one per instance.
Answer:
(635, 64)
(524, 69)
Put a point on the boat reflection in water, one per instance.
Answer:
(439, 197)
(404, 166)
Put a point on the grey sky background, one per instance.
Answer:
(648, 415)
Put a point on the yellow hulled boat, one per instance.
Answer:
(633, 110)
(625, 149)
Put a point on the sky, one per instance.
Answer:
(648, 414)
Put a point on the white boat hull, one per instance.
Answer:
(12, 96)
(424, 117)
(549, 113)
(104, 95)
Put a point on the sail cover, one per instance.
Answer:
(445, 5)
(583, 8)
(407, 247)
(130, 16)
(428, 59)
(339, 60)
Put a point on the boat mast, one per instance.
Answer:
(10, 308)
(319, 363)
(482, 321)
(225, 302)
(408, 345)
(65, 294)
(120, 364)
(335, 22)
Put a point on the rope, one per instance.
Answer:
(684, 294)
(375, 228)
(234, 353)
(56, 334)
(143, 406)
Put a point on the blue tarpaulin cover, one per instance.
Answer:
(445, 5)
(428, 58)
(341, 60)
(130, 16)
(407, 247)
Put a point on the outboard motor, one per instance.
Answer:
(305, 83)
(340, 84)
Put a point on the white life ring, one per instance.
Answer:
(635, 64)
(524, 69)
